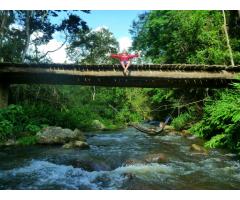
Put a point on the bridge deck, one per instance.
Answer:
(162, 75)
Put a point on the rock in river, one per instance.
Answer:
(156, 158)
(58, 135)
(97, 125)
(151, 158)
(76, 144)
(198, 148)
(133, 162)
(10, 142)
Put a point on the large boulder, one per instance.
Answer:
(97, 125)
(76, 144)
(58, 135)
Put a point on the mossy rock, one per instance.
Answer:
(58, 135)
(97, 125)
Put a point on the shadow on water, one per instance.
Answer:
(125, 159)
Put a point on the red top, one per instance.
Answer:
(124, 57)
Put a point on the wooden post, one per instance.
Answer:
(4, 89)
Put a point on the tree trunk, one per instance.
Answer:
(4, 20)
(94, 93)
(27, 27)
(4, 89)
(227, 38)
(2, 29)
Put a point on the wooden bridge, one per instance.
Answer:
(152, 76)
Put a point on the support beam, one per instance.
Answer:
(4, 89)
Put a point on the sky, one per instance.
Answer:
(117, 21)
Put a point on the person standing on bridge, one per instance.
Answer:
(125, 59)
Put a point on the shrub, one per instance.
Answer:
(216, 141)
(32, 128)
(6, 129)
(221, 115)
(181, 122)
(27, 140)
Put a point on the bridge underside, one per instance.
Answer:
(156, 76)
(116, 81)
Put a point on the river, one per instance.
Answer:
(115, 161)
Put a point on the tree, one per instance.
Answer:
(92, 47)
(182, 37)
(18, 27)
(11, 42)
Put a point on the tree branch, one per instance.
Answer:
(51, 51)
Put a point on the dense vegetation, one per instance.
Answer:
(196, 37)
(163, 36)
(221, 120)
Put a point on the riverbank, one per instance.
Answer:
(20, 126)
(17, 127)
(57, 135)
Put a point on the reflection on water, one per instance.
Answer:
(118, 161)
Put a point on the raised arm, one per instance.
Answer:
(133, 56)
(115, 56)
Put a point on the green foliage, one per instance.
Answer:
(76, 108)
(92, 47)
(17, 27)
(180, 122)
(184, 37)
(194, 37)
(27, 140)
(200, 129)
(14, 120)
(6, 129)
(32, 128)
(221, 116)
(216, 141)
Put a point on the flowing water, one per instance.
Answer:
(115, 160)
